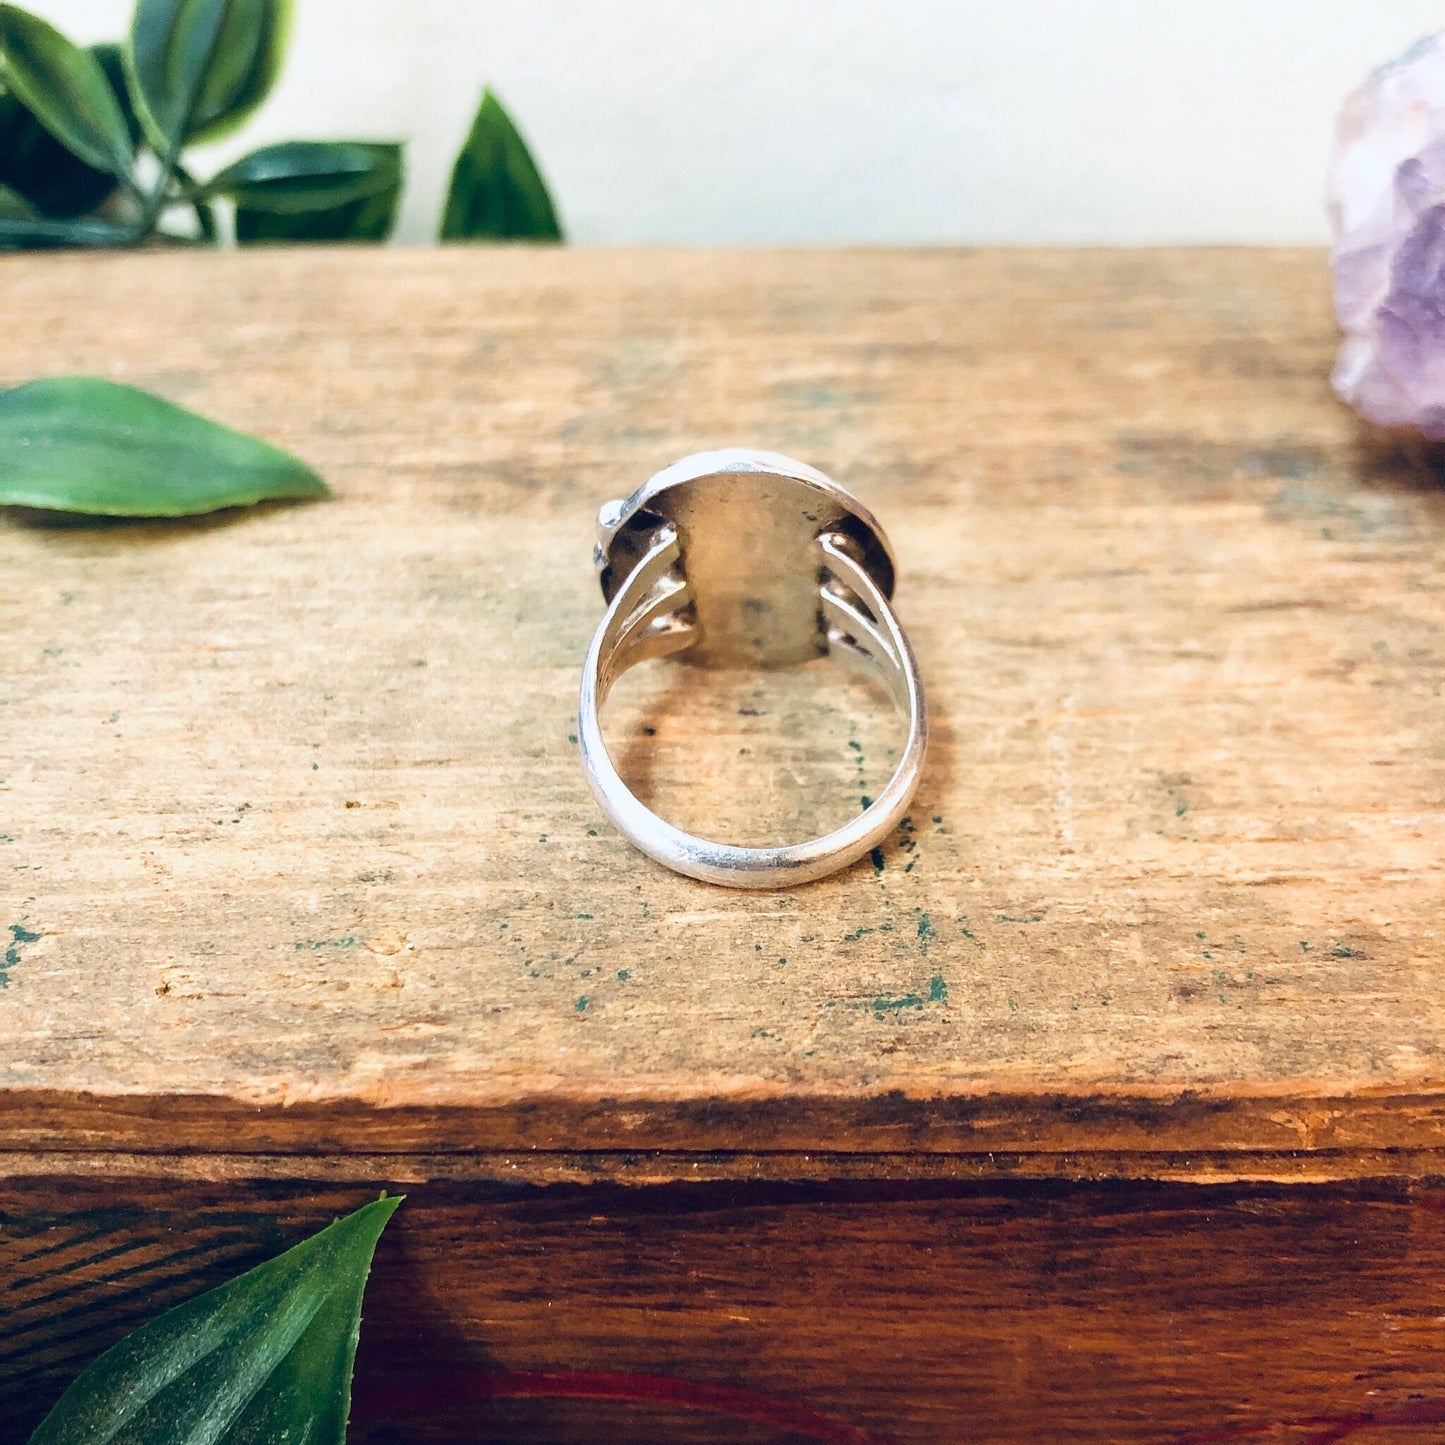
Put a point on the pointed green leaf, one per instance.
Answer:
(81, 444)
(172, 43)
(497, 192)
(264, 1359)
(57, 183)
(65, 89)
(299, 176)
(316, 191)
(249, 58)
(198, 68)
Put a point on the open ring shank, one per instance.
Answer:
(648, 618)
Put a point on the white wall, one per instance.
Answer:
(758, 121)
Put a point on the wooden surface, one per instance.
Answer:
(911, 1314)
(298, 866)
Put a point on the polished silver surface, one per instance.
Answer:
(745, 558)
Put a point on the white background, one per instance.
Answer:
(783, 121)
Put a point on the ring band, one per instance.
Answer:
(747, 558)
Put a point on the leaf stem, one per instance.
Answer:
(193, 194)
(159, 197)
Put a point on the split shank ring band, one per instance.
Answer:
(747, 559)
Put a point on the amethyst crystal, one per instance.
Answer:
(1387, 206)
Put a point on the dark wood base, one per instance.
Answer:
(851, 1313)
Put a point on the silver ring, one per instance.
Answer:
(738, 558)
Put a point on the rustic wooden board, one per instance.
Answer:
(296, 856)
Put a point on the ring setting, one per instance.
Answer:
(744, 558)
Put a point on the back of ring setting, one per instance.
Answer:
(737, 558)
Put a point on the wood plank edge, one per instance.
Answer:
(543, 1168)
(982, 1133)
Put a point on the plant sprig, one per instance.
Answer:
(264, 1358)
(93, 142)
(89, 446)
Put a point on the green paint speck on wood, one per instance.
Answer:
(884, 1004)
(19, 934)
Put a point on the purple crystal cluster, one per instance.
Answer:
(1387, 206)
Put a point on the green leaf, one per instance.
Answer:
(264, 1359)
(299, 176)
(316, 191)
(65, 89)
(81, 444)
(33, 163)
(497, 192)
(198, 68)
(370, 219)
(21, 233)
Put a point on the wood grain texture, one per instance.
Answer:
(296, 855)
(913, 1313)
